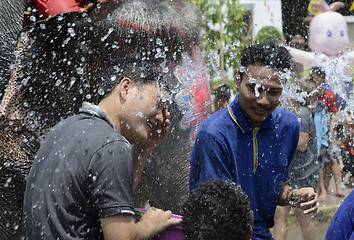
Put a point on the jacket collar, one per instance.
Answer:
(241, 120)
(94, 110)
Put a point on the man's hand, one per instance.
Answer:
(123, 226)
(157, 136)
(159, 132)
(157, 220)
(306, 199)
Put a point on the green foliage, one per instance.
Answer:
(269, 33)
(222, 31)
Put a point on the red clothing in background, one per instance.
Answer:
(330, 100)
(51, 7)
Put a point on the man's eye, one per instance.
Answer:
(275, 92)
(251, 87)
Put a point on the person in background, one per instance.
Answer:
(347, 151)
(81, 183)
(304, 171)
(329, 155)
(221, 97)
(252, 142)
(217, 210)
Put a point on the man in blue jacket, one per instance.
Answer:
(252, 142)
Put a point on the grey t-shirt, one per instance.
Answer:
(82, 172)
(305, 163)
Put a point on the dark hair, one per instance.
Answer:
(319, 70)
(266, 53)
(223, 91)
(216, 210)
(140, 72)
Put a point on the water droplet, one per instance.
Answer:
(32, 18)
(101, 91)
(79, 70)
(159, 41)
(58, 82)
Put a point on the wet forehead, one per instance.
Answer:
(264, 75)
(156, 92)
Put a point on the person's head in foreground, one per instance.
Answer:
(260, 79)
(216, 210)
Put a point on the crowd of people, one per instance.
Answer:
(251, 162)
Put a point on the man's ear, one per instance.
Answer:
(248, 235)
(124, 88)
(237, 79)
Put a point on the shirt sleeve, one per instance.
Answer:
(111, 179)
(305, 120)
(209, 160)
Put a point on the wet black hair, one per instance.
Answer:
(268, 53)
(223, 91)
(319, 70)
(132, 67)
(217, 210)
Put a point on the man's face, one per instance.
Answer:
(143, 113)
(260, 90)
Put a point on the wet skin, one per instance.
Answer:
(144, 113)
(260, 89)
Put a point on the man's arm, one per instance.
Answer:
(123, 226)
(141, 153)
(303, 141)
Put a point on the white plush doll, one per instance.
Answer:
(328, 38)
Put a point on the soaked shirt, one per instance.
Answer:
(229, 147)
(330, 100)
(82, 172)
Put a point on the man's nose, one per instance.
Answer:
(262, 99)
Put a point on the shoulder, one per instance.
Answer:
(285, 123)
(329, 94)
(285, 117)
(217, 122)
(87, 130)
(341, 225)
